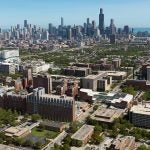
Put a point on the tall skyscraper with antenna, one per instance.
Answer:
(101, 21)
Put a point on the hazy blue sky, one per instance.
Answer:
(136, 13)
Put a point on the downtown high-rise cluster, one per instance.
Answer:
(66, 32)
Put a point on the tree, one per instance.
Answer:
(35, 117)
(95, 107)
(28, 143)
(50, 71)
(38, 145)
(129, 90)
(17, 141)
(76, 143)
(96, 138)
(74, 126)
(56, 147)
(66, 147)
(143, 147)
(98, 128)
(146, 95)
(67, 140)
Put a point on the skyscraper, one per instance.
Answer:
(112, 27)
(25, 23)
(62, 21)
(50, 29)
(126, 29)
(101, 21)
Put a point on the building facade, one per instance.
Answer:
(140, 115)
(52, 107)
(44, 81)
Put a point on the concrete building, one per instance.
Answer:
(7, 68)
(9, 56)
(117, 75)
(100, 82)
(106, 115)
(116, 63)
(44, 81)
(118, 100)
(52, 107)
(140, 115)
(17, 132)
(123, 143)
(37, 66)
(6, 147)
(83, 134)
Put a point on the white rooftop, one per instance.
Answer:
(141, 109)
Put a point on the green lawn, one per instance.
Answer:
(44, 133)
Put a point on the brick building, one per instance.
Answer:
(13, 102)
(76, 71)
(44, 81)
(58, 108)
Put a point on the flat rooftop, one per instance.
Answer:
(117, 73)
(6, 147)
(106, 114)
(141, 109)
(58, 97)
(53, 124)
(102, 73)
(83, 132)
(111, 96)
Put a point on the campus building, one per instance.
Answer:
(118, 100)
(83, 134)
(140, 115)
(13, 101)
(106, 115)
(43, 81)
(52, 107)
(100, 82)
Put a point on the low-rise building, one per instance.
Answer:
(76, 71)
(7, 68)
(116, 63)
(100, 82)
(6, 147)
(17, 132)
(123, 143)
(117, 75)
(139, 84)
(54, 126)
(106, 115)
(83, 134)
(118, 100)
(9, 56)
(140, 115)
(37, 66)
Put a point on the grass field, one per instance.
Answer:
(44, 133)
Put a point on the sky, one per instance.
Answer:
(135, 13)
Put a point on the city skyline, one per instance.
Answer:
(41, 13)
